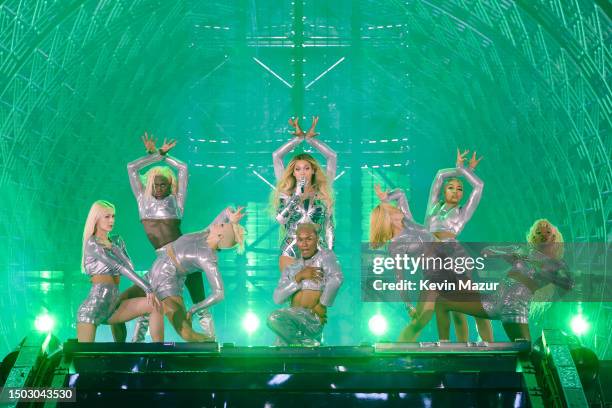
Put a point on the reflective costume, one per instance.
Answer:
(299, 325)
(167, 208)
(149, 207)
(190, 253)
(292, 211)
(103, 298)
(510, 302)
(440, 218)
(414, 239)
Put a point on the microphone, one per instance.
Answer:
(301, 185)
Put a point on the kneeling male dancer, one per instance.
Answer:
(311, 283)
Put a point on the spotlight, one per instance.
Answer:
(378, 324)
(579, 325)
(250, 322)
(44, 323)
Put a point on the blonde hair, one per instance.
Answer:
(97, 210)
(239, 233)
(287, 183)
(558, 237)
(238, 239)
(149, 178)
(381, 228)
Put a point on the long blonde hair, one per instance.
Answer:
(287, 183)
(558, 237)
(97, 210)
(239, 233)
(149, 178)
(381, 228)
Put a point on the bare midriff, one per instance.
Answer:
(162, 232)
(306, 298)
(96, 279)
(444, 235)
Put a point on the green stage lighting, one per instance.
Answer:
(378, 324)
(44, 323)
(579, 325)
(250, 322)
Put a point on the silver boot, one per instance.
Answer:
(141, 329)
(206, 323)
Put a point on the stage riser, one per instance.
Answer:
(484, 398)
(282, 381)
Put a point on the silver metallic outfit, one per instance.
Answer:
(510, 302)
(441, 218)
(189, 253)
(149, 207)
(103, 298)
(414, 239)
(298, 325)
(292, 211)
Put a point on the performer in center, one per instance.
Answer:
(310, 283)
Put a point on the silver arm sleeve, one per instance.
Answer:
(434, 193)
(286, 205)
(333, 279)
(123, 254)
(329, 231)
(472, 203)
(216, 285)
(286, 287)
(508, 253)
(279, 155)
(97, 251)
(134, 169)
(183, 178)
(399, 196)
(330, 156)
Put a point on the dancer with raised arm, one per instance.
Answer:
(446, 218)
(161, 195)
(304, 192)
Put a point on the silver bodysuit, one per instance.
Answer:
(189, 253)
(510, 302)
(149, 207)
(292, 211)
(441, 218)
(299, 325)
(414, 239)
(103, 298)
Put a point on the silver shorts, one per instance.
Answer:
(164, 279)
(100, 304)
(509, 303)
(296, 326)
